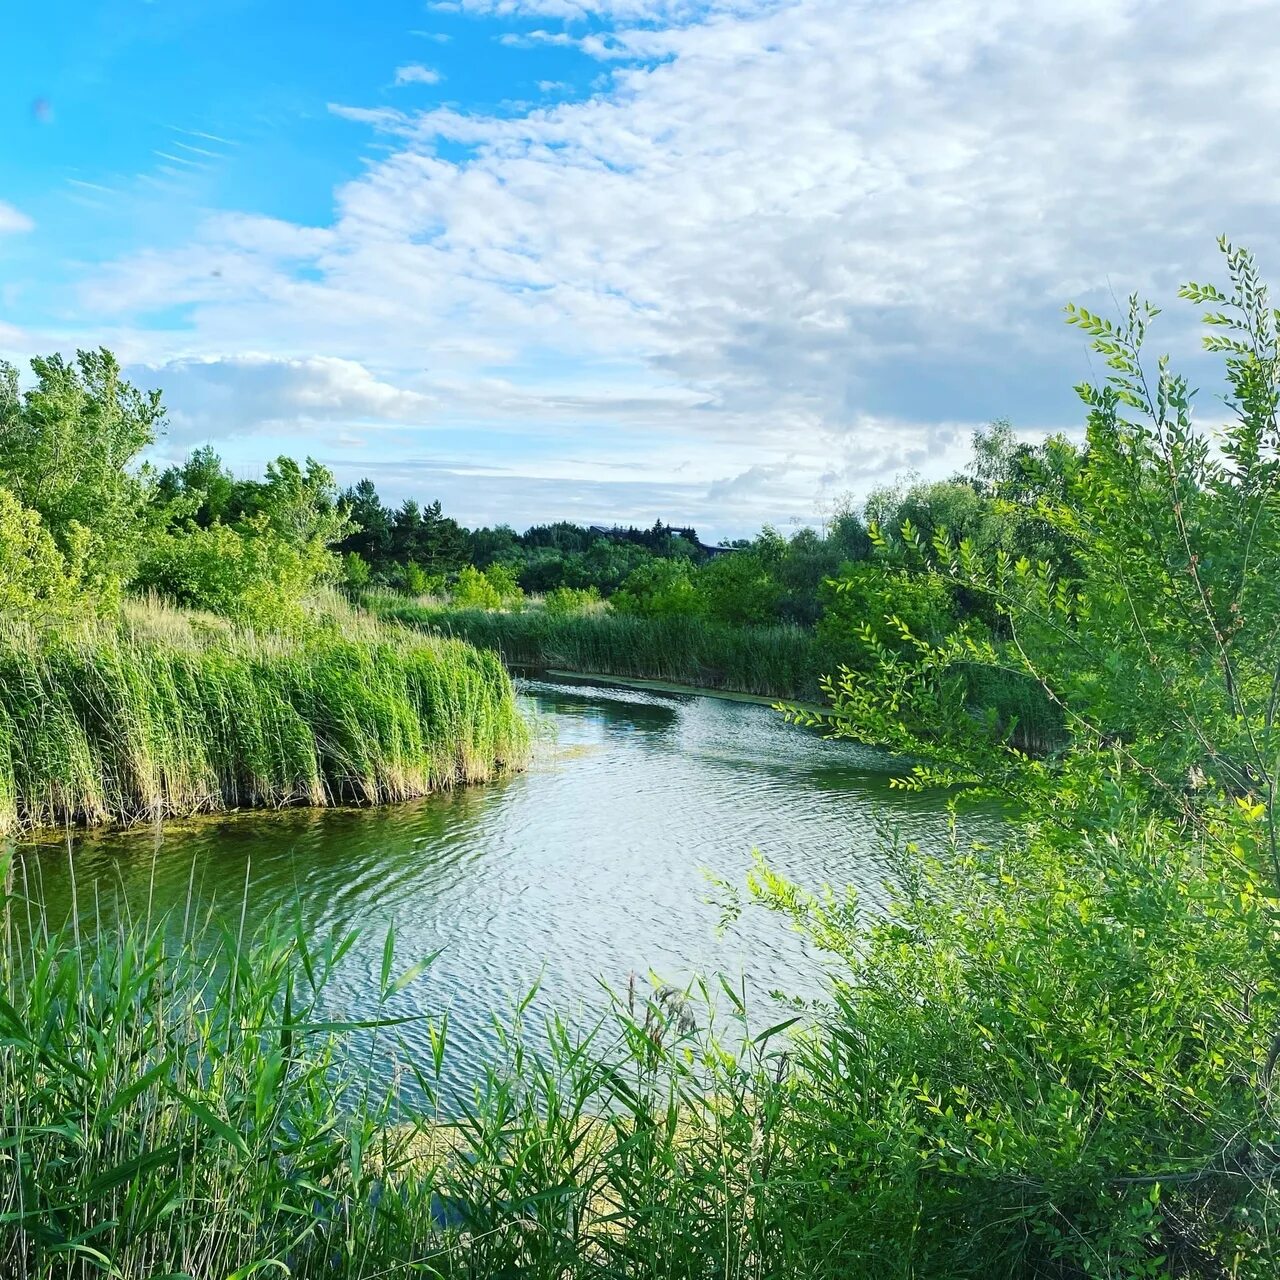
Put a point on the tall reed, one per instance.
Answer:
(776, 662)
(158, 714)
(180, 1102)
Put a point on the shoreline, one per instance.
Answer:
(668, 686)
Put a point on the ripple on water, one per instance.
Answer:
(588, 868)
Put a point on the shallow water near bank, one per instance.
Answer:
(586, 869)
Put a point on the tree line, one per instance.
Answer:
(82, 522)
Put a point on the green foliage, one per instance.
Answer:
(659, 589)
(36, 577)
(183, 1101)
(739, 589)
(1039, 1063)
(423, 536)
(246, 572)
(250, 550)
(495, 588)
(201, 489)
(1076, 1035)
(872, 609)
(564, 602)
(184, 1106)
(418, 582)
(67, 448)
(503, 580)
(356, 574)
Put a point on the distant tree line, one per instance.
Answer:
(666, 570)
(82, 522)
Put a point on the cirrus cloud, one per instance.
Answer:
(13, 220)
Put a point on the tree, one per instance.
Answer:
(201, 489)
(300, 503)
(1076, 1031)
(659, 589)
(1162, 654)
(68, 449)
(370, 534)
(254, 549)
(739, 589)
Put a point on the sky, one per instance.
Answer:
(718, 262)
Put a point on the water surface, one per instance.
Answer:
(589, 868)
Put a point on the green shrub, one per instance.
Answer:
(246, 572)
(418, 582)
(740, 589)
(659, 589)
(35, 576)
(869, 604)
(563, 602)
(494, 588)
(355, 572)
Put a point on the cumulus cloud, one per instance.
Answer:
(13, 220)
(834, 234)
(218, 397)
(416, 73)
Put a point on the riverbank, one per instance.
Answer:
(161, 713)
(774, 664)
(667, 686)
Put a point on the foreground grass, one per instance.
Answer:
(158, 713)
(1048, 1061)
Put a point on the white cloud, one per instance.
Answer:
(416, 73)
(220, 397)
(619, 10)
(818, 238)
(13, 220)
(529, 39)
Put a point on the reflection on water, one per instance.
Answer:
(588, 868)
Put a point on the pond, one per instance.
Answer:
(589, 868)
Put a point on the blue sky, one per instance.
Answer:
(721, 262)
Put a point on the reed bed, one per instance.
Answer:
(776, 662)
(159, 713)
(784, 662)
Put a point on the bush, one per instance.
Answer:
(35, 576)
(248, 572)
(564, 602)
(659, 589)
(355, 572)
(495, 588)
(869, 603)
(739, 589)
(418, 582)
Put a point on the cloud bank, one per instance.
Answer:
(785, 248)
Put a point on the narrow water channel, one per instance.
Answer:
(589, 868)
